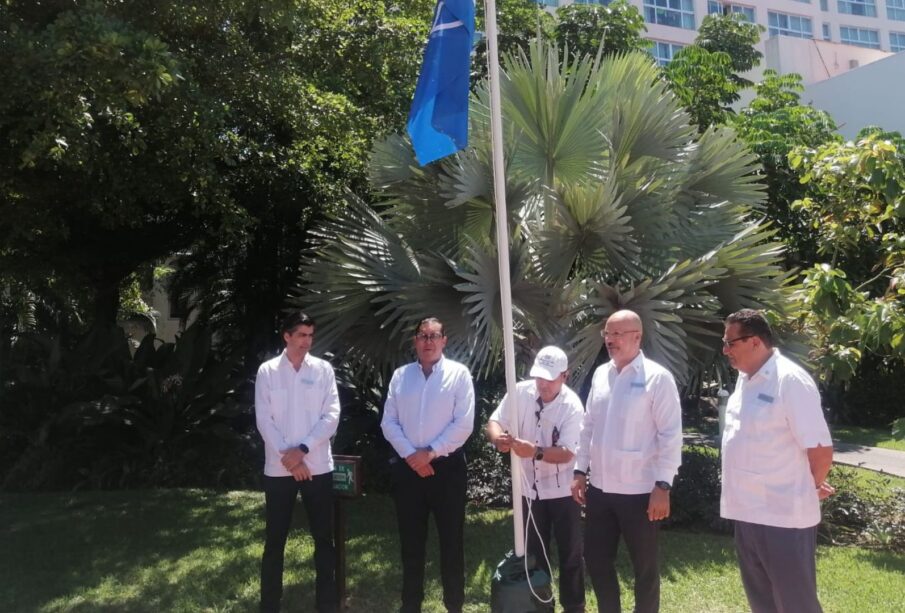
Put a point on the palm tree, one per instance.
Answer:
(614, 201)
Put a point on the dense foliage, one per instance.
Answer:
(586, 29)
(98, 417)
(707, 75)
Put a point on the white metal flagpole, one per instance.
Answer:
(502, 240)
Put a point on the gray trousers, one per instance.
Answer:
(778, 566)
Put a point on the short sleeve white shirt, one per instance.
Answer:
(631, 435)
(436, 411)
(772, 418)
(295, 408)
(557, 423)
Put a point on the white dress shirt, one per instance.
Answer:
(295, 408)
(436, 411)
(557, 424)
(631, 435)
(773, 417)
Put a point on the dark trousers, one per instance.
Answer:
(442, 495)
(279, 500)
(607, 517)
(778, 567)
(561, 518)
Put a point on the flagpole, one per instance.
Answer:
(502, 240)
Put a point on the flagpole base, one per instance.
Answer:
(511, 589)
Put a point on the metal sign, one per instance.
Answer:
(347, 476)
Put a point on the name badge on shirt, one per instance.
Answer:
(308, 381)
(638, 384)
(765, 398)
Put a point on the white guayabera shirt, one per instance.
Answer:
(557, 424)
(773, 417)
(631, 436)
(296, 408)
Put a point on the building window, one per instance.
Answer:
(895, 9)
(556, 2)
(896, 41)
(725, 8)
(861, 37)
(826, 32)
(825, 6)
(804, 1)
(865, 8)
(783, 24)
(553, 3)
(664, 52)
(675, 13)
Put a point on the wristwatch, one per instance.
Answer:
(663, 485)
(303, 448)
(539, 454)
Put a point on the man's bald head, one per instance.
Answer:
(622, 335)
(628, 317)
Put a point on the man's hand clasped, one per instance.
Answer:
(579, 489)
(294, 461)
(420, 462)
(825, 490)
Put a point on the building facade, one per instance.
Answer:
(867, 24)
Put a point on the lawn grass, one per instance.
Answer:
(867, 481)
(870, 437)
(193, 550)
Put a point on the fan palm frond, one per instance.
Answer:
(547, 99)
(591, 233)
(613, 202)
(755, 277)
(644, 119)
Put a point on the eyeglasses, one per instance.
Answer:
(727, 344)
(433, 336)
(616, 335)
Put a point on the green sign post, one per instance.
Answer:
(346, 485)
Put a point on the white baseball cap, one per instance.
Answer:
(550, 363)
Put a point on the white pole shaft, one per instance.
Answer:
(502, 240)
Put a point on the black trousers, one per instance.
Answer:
(609, 516)
(442, 495)
(561, 518)
(279, 500)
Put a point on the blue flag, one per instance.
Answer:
(438, 120)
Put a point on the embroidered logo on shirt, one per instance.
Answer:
(308, 381)
(638, 384)
(765, 397)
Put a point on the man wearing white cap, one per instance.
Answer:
(545, 438)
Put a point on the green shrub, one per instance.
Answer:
(695, 497)
(870, 512)
(172, 415)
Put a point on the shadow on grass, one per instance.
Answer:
(190, 550)
(883, 560)
(859, 437)
(126, 551)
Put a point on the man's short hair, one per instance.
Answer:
(294, 320)
(754, 323)
(430, 320)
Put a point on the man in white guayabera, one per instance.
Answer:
(776, 454)
(297, 411)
